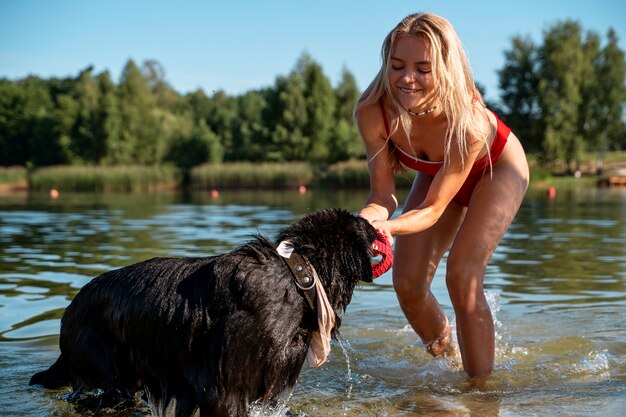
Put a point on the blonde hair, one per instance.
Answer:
(455, 89)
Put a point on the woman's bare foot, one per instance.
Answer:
(441, 347)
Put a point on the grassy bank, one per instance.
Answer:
(13, 179)
(352, 174)
(246, 175)
(98, 178)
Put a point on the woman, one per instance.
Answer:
(423, 112)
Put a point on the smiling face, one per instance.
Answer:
(410, 74)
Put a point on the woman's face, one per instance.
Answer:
(410, 73)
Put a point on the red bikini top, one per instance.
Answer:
(431, 168)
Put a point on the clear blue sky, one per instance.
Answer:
(241, 45)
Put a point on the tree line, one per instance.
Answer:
(90, 119)
(563, 98)
(566, 96)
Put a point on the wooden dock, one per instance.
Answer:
(617, 180)
(614, 178)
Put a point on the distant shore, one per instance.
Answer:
(238, 175)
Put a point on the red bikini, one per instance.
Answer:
(481, 165)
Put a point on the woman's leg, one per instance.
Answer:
(491, 210)
(416, 260)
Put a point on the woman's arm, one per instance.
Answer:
(445, 185)
(382, 201)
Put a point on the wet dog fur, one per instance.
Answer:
(214, 334)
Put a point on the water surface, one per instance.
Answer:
(556, 285)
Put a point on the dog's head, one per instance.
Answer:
(339, 246)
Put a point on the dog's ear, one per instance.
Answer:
(369, 236)
(368, 231)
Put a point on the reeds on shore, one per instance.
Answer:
(232, 175)
(237, 175)
(13, 178)
(105, 178)
(248, 175)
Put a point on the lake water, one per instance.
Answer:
(557, 286)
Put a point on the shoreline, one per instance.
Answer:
(232, 176)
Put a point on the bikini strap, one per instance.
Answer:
(384, 114)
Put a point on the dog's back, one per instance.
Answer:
(182, 325)
(122, 322)
(215, 333)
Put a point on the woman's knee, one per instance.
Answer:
(464, 281)
(411, 287)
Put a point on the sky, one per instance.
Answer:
(237, 46)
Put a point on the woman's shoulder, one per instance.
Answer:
(485, 120)
(369, 111)
(370, 121)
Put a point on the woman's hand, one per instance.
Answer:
(383, 226)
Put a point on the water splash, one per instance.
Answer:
(265, 410)
(277, 409)
(344, 348)
(493, 300)
(595, 363)
(446, 373)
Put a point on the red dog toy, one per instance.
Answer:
(382, 247)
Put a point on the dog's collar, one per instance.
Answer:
(310, 284)
(302, 271)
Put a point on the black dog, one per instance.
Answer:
(216, 333)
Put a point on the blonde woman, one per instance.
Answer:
(423, 112)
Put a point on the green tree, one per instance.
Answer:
(288, 119)
(560, 84)
(250, 134)
(110, 117)
(346, 95)
(41, 136)
(14, 146)
(137, 142)
(345, 141)
(66, 114)
(220, 114)
(303, 114)
(589, 116)
(87, 135)
(188, 151)
(199, 105)
(611, 69)
(567, 95)
(320, 107)
(166, 98)
(518, 82)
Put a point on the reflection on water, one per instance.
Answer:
(556, 286)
